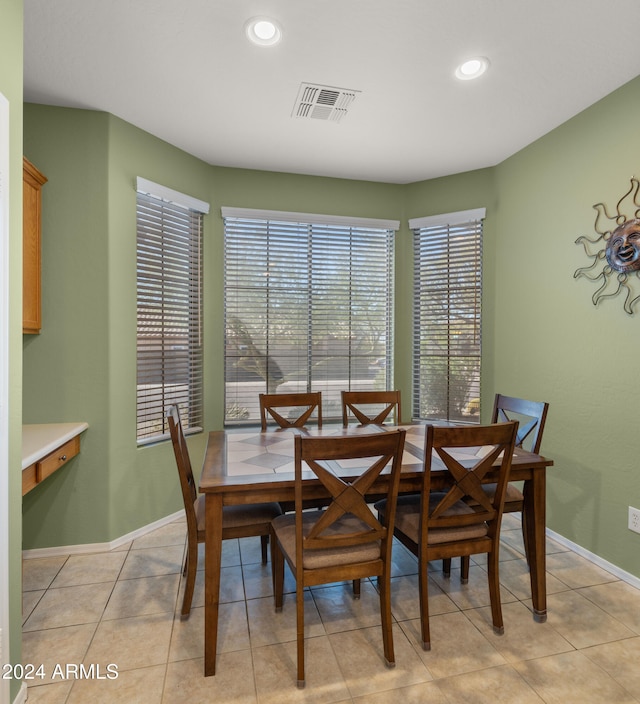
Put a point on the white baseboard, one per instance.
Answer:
(119, 542)
(101, 547)
(21, 697)
(596, 559)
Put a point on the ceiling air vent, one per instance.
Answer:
(319, 102)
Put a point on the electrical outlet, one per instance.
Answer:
(634, 519)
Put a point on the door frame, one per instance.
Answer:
(4, 391)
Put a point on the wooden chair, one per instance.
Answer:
(531, 416)
(345, 541)
(354, 401)
(309, 402)
(237, 521)
(441, 524)
(365, 406)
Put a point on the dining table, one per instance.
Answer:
(245, 466)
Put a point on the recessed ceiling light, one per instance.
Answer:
(263, 31)
(473, 68)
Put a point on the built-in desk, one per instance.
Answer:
(45, 448)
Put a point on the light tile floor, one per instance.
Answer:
(123, 609)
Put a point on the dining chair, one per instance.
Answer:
(369, 408)
(441, 524)
(531, 416)
(237, 521)
(345, 541)
(365, 406)
(302, 404)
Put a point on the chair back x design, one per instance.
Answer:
(531, 415)
(365, 406)
(345, 541)
(304, 404)
(446, 448)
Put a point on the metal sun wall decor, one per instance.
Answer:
(617, 261)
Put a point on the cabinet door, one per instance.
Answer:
(33, 181)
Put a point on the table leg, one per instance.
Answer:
(212, 560)
(535, 499)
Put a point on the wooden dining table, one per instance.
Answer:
(247, 466)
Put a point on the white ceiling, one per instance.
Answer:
(184, 71)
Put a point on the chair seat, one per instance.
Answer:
(239, 516)
(285, 529)
(408, 519)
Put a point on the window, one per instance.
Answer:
(169, 303)
(447, 316)
(308, 307)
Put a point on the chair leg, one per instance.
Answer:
(264, 544)
(423, 591)
(446, 567)
(356, 588)
(526, 537)
(465, 560)
(191, 566)
(387, 622)
(494, 592)
(300, 632)
(277, 572)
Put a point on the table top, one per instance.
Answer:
(250, 458)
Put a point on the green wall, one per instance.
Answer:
(551, 343)
(542, 336)
(66, 365)
(11, 88)
(89, 318)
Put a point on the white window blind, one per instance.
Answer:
(447, 317)
(308, 307)
(169, 305)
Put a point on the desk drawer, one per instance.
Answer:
(57, 459)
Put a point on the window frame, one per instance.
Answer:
(308, 239)
(433, 235)
(169, 290)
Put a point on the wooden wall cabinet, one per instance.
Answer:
(32, 182)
